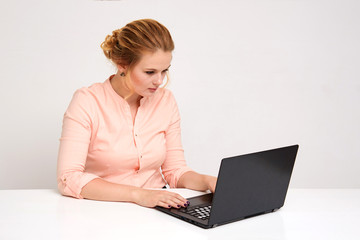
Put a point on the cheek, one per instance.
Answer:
(138, 80)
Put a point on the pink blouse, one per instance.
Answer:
(99, 140)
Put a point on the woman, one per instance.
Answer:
(122, 137)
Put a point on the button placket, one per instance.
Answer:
(137, 138)
(128, 115)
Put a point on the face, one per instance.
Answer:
(148, 74)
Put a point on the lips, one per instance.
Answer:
(152, 89)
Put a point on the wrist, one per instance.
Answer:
(210, 183)
(135, 194)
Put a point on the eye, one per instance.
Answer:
(149, 72)
(165, 70)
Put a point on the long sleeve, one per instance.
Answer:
(174, 165)
(74, 145)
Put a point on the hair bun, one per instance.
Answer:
(109, 44)
(126, 45)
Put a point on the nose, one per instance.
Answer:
(158, 80)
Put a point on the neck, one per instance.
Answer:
(118, 84)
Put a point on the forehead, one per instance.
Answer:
(155, 60)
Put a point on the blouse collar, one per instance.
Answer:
(109, 87)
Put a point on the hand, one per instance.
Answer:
(211, 183)
(196, 181)
(152, 198)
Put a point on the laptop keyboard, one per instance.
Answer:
(201, 212)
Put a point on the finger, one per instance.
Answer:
(174, 204)
(178, 198)
(164, 204)
(184, 201)
(170, 200)
(180, 202)
(169, 203)
(175, 200)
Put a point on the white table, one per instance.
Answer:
(45, 214)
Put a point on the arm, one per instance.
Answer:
(74, 144)
(175, 170)
(196, 181)
(174, 165)
(99, 189)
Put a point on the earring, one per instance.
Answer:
(122, 74)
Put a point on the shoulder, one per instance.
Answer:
(165, 95)
(88, 95)
(89, 92)
(85, 99)
(165, 102)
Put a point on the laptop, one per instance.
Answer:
(248, 185)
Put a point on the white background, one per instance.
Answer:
(247, 75)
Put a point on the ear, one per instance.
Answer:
(121, 68)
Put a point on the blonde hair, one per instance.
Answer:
(126, 45)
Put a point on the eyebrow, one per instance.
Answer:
(153, 69)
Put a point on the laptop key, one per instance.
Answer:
(200, 212)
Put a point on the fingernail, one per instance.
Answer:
(178, 205)
(169, 206)
(185, 205)
(188, 202)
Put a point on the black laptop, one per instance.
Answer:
(248, 185)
